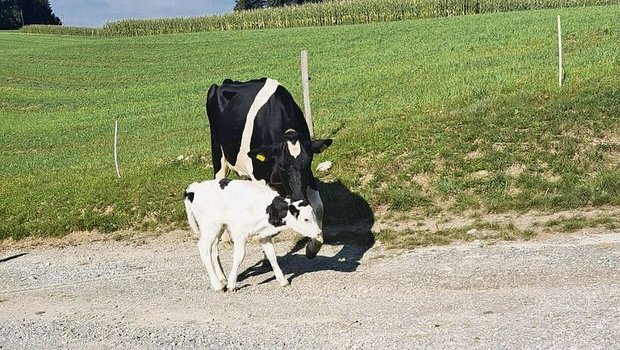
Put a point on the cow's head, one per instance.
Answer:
(292, 162)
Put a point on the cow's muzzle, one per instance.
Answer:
(313, 247)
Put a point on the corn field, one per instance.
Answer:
(329, 13)
(62, 30)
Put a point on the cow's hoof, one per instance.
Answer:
(285, 283)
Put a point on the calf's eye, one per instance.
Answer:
(307, 220)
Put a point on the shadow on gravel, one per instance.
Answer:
(12, 257)
(348, 222)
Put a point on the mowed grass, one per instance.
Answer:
(428, 116)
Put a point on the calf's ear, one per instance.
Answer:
(277, 211)
(319, 146)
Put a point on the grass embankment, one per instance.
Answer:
(327, 13)
(431, 116)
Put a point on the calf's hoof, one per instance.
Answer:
(285, 283)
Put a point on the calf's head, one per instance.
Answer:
(292, 162)
(296, 215)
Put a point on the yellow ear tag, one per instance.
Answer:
(260, 157)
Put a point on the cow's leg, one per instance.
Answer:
(220, 169)
(270, 252)
(317, 206)
(238, 255)
(220, 166)
(208, 238)
(217, 264)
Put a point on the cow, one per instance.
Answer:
(245, 209)
(259, 131)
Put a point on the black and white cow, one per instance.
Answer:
(259, 131)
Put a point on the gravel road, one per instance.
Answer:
(559, 292)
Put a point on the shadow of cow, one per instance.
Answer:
(348, 222)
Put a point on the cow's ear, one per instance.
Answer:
(319, 146)
(262, 154)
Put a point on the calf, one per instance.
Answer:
(245, 209)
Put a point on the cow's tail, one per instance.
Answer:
(188, 200)
(211, 101)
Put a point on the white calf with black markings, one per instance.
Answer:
(245, 209)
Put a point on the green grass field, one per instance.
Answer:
(428, 116)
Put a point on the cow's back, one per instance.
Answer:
(227, 108)
(271, 111)
(278, 115)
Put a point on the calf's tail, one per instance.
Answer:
(191, 219)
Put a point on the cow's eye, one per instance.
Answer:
(307, 220)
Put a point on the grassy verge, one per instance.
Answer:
(491, 228)
(428, 116)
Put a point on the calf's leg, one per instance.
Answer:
(270, 252)
(215, 260)
(238, 255)
(205, 247)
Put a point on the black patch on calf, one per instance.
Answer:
(277, 211)
(189, 196)
(304, 203)
(294, 211)
(224, 183)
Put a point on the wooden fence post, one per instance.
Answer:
(118, 174)
(306, 91)
(560, 68)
